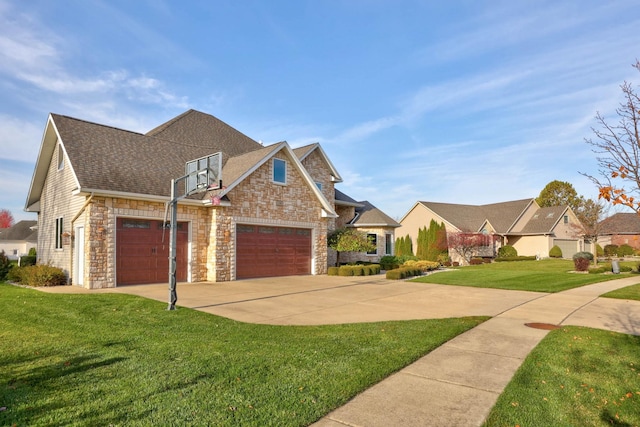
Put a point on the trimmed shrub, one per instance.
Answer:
(5, 266)
(585, 255)
(600, 270)
(476, 261)
(555, 252)
(357, 270)
(625, 250)
(40, 275)
(375, 268)
(396, 274)
(581, 264)
(389, 262)
(27, 260)
(516, 258)
(610, 250)
(345, 270)
(333, 271)
(422, 265)
(507, 251)
(625, 269)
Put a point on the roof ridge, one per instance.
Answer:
(169, 123)
(96, 124)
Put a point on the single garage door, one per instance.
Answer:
(141, 254)
(568, 247)
(263, 251)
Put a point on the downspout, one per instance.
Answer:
(72, 240)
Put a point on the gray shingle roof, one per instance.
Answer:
(20, 231)
(107, 158)
(543, 220)
(369, 215)
(502, 216)
(621, 223)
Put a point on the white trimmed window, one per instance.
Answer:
(388, 242)
(279, 171)
(59, 231)
(373, 238)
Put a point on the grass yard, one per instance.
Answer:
(575, 377)
(630, 292)
(110, 359)
(549, 275)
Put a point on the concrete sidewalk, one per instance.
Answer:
(454, 385)
(458, 383)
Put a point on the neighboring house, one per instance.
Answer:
(101, 194)
(620, 229)
(530, 229)
(365, 217)
(16, 240)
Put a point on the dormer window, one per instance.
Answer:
(279, 171)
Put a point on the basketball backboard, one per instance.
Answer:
(204, 173)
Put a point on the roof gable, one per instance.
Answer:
(304, 152)
(544, 220)
(472, 218)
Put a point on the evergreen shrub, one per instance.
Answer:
(507, 251)
(345, 270)
(610, 250)
(5, 266)
(333, 271)
(555, 252)
(625, 250)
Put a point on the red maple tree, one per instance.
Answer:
(6, 219)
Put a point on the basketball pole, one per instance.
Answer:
(173, 234)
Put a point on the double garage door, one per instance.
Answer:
(264, 251)
(142, 251)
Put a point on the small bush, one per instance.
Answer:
(625, 250)
(41, 275)
(555, 252)
(422, 265)
(27, 260)
(599, 250)
(345, 270)
(396, 274)
(610, 250)
(375, 268)
(32, 252)
(507, 251)
(5, 266)
(333, 271)
(475, 261)
(600, 270)
(581, 264)
(585, 255)
(357, 270)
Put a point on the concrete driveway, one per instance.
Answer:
(314, 300)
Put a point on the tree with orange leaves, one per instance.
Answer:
(617, 147)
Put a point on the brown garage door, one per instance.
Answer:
(141, 254)
(263, 251)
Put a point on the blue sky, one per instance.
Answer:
(460, 101)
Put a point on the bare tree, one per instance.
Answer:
(590, 213)
(617, 147)
(468, 245)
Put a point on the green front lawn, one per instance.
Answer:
(110, 359)
(575, 377)
(549, 275)
(630, 292)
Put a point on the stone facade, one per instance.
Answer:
(256, 200)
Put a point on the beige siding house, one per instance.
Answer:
(101, 196)
(530, 229)
(18, 239)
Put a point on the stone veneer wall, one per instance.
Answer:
(257, 200)
(100, 236)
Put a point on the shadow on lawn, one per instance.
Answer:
(31, 395)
